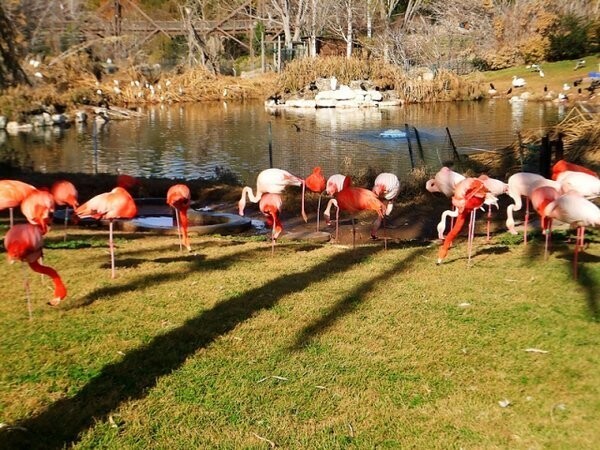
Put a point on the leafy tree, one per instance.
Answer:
(570, 39)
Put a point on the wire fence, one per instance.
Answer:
(397, 150)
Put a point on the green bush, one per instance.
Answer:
(570, 39)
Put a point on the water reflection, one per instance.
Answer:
(190, 141)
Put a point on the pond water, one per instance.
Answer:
(200, 140)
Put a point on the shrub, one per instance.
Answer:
(570, 39)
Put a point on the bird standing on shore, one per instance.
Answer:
(116, 204)
(179, 198)
(386, 187)
(315, 182)
(12, 193)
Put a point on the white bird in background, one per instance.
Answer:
(518, 82)
(541, 73)
(566, 87)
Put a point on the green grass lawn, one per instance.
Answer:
(318, 346)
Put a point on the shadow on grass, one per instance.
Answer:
(350, 302)
(559, 246)
(63, 423)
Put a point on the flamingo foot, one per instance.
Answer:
(439, 261)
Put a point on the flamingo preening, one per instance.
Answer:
(315, 182)
(270, 205)
(581, 182)
(179, 198)
(444, 181)
(65, 193)
(386, 186)
(353, 200)
(468, 196)
(24, 242)
(540, 198)
(38, 208)
(578, 212)
(495, 188)
(522, 184)
(12, 193)
(271, 181)
(116, 204)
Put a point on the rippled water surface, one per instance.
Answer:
(198, 140)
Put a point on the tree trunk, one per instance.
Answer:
(11, 72)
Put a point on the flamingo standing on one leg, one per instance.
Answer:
(38, 208)
(444, 181)
(386, 185)
(24, 242)
(12, 193)
(496, 188)
(270, 205)
(179, 198)
(564, 166)
(540, 198)
(522, 184)
(271, 181)
(65, 193)
(316, 183)
(578, 212)
(116, 204)
(353, 200)
(468, 196)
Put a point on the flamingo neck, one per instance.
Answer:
(60, 291)
(247, 191)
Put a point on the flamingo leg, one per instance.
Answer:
(10, 212)
(337, 224)
(353, 234)
(471, 235)
(526, 220)
(578, 244)
(273, 237)
(112, 248)
(303, 211)
(548, 234)
(384, 235)
(489, 220)
(319, 210)
(27, 292)
(178, 229)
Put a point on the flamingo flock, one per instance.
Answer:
(565, 197)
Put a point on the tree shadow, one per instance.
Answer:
(63, 423)
(350, 302)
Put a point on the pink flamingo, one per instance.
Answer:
(468, 196)
(116, 204)
(65, 193)
(353, 200)
(540, 198)
(335, 183)
(270, 205)
(444, 181)
(522, 184)
(563, 166)
(38, 208)
(179, 198)
(24, 242)
(495, 188)
(578, 212)
(386, 186)
(316, 183)
(12, 193)
(271, 181)
(583, 183)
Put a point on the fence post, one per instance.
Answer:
(270, 146)
(419, 145)
(545, 156)
(560, 149)
(410, 152)
(454, 152)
